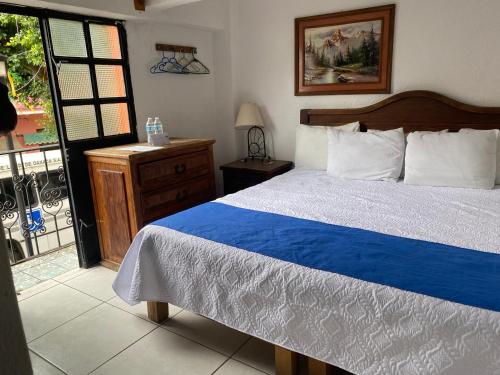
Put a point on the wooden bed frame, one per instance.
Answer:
(412, 110)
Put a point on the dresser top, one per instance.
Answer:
(176, 146)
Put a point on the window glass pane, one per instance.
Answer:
(74, 81)
(67, 38)
(105, 41)
(80, 122)
(110, 81)
(115, 119)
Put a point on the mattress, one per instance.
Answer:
(363, 327)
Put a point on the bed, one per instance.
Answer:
(371, 277)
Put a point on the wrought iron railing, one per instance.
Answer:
(34, 205)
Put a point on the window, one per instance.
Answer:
(92, 76)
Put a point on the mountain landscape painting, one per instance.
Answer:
(343, 54)
(347, 52)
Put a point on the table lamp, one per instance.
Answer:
(249, 118)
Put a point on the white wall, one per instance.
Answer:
(448, 46)
(208, 14)
(188, 105)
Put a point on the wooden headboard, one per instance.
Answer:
(413, 110)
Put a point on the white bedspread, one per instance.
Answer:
(362, 327)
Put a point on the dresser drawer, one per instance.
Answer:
(173, 170)
(162, 202)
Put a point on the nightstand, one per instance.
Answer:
(240, 175)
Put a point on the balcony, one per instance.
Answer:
(35, 211)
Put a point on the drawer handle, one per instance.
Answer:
(181, 195)
(180, 168)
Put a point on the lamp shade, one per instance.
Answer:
(248, 116)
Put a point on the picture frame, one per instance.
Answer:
(345, 52)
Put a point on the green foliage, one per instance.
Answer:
(364, 53)
(373, 48)
(340, 60)
(21, 42)
(370, 50)
(349, 56)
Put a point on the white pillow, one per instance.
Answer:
(311, 145)
(465, 160)
(420, 132)
(497, 182)
(375, 155)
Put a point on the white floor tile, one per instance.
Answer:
(81, 345)
(207, 332)
(236, 368)
(97, 283)
(162, 352)
(51, 308)
(141, 309)
(258, 354)
(71, 274)
(41, 367)
(36, 289)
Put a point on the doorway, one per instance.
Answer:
(72, 72)
(34, 204)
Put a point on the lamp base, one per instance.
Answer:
(256, 143)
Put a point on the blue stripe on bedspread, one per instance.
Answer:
(447, 272)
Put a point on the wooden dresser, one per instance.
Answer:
(133, 188)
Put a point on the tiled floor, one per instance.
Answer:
(75, 324)
(38, 270)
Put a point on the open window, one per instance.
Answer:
(92, 83)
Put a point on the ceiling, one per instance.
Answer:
(164, 4)
(205, 14)
(123, 9)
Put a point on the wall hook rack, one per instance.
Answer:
(182, 66)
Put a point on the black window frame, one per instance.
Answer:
(43, 16)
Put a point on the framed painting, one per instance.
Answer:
(344, 53)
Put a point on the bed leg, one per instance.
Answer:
(157, 311)
(286, 361)
(316, 367)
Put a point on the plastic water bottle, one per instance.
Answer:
(158, 126)
(150, 130)
(162, 130)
